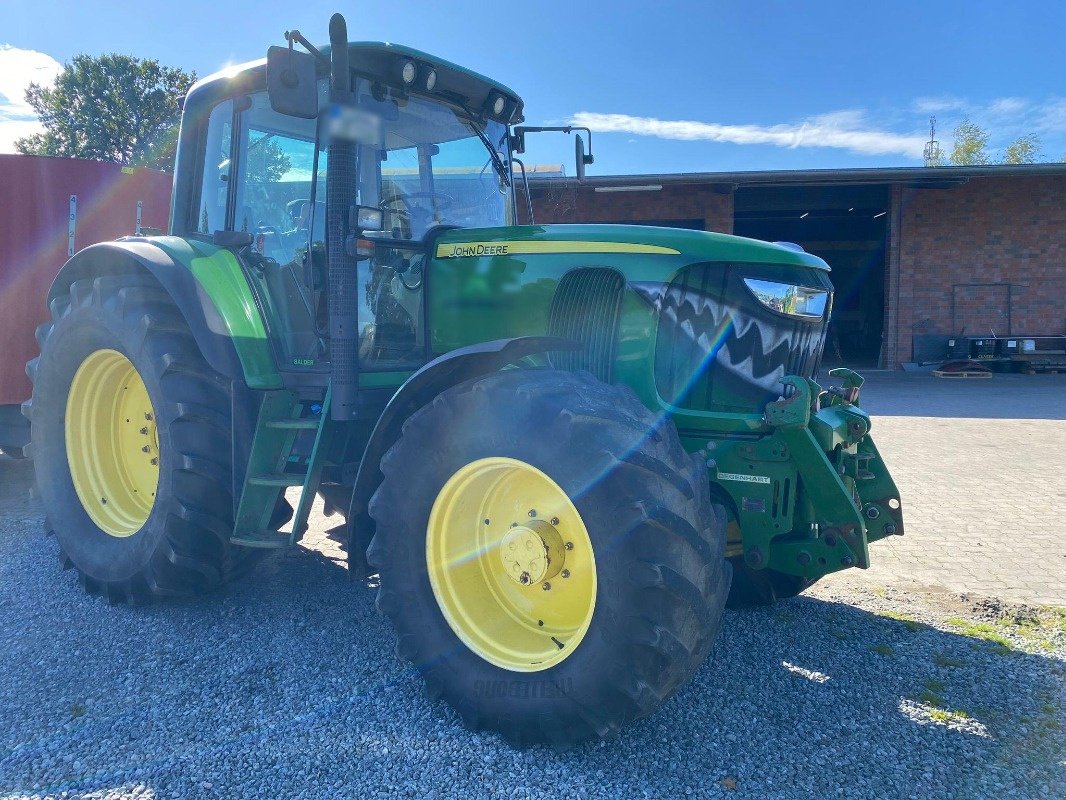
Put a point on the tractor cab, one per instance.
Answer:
(424, 146)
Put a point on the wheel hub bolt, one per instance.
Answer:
(565, 573)
(569, 545)
(546, 586)
(555, 520)
(872, 512)
(531, 554)
(532, 512)
(144, 431)
(146, 449)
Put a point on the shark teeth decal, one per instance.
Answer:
(743, 351)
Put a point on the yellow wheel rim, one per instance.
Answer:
(511, 564)
(112, 443)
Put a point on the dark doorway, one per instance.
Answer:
(691, 224)
(846, 226)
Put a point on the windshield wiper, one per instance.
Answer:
(497, 162)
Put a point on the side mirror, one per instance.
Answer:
(292, 82)
(580, 156)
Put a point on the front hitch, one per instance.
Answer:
(851, 497)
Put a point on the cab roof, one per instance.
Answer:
(379, 60)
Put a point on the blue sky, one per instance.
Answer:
(667, 86)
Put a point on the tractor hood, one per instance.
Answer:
(698, 311)
(691, 245)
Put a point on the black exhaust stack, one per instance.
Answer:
(340, 241)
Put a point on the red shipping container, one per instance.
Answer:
(35, 225)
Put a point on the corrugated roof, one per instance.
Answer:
(916, 176)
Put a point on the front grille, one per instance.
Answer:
(718, 347)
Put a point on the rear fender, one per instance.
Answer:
(209, 288)
(435, 377)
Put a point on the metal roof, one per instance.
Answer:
(911, 176)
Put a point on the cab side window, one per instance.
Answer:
(273, 185)
(214, 185)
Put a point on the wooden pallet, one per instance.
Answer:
(962, 373)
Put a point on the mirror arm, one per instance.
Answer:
(296, 36)
(521, 131)
(525, 183)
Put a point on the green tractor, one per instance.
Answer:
(562, 448)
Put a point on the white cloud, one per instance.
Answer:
(18, 69)
(1006, 118)
(1047, 116)
(1051, 117)
(937, 105)
(1008, 106)
(846, 130)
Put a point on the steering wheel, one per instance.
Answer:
(423, 216)
(411, 278)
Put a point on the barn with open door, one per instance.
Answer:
(919, 254)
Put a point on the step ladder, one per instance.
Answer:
(272, 469)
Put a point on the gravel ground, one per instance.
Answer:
(285, 685)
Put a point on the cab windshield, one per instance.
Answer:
(439, 166)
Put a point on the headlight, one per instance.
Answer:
(788, 298)
(408, 72)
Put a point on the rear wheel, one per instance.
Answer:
(131, 440)
(548, 555)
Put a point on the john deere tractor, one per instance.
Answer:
(562, 448)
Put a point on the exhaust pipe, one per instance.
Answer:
(343, 300)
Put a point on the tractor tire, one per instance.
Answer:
(117, 346)
(762, 587)
(639, 585)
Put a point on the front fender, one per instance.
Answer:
(438, 375)
(209, 288)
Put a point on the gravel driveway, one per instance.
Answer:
(286, 685)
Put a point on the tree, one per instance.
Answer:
(267, 162)
(110, 108)
(971, 144)
(1024, 150)
(971, 147)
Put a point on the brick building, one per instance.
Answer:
(918, 254)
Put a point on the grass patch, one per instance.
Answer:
(942, 660)
(1038, 627)
(838, 634)
(883, 650)
(985, 631)
(1044, 629)
(910, 623)
(932, 699)
(934, 685)
(948, 715)
(77, 711)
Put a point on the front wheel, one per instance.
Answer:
(548, 555)
(762, 587)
